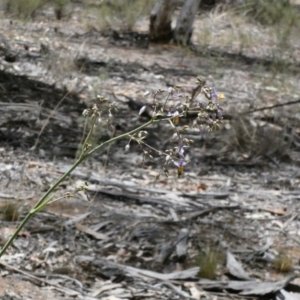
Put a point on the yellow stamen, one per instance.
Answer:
(180, 171)
(175, 120)
(221, 97)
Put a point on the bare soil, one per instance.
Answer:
(132, 236)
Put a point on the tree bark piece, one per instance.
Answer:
(184, 26)
(161, 19)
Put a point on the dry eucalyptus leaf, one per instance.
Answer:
(235, 268)
(284, 295)
(258, 288)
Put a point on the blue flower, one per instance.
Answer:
(175, 116)
(217, 96)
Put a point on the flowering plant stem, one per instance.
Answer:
(48, 196)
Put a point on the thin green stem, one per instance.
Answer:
(119, 137)
(83, 157)
(88, 136)
(39, 203)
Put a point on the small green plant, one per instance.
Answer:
(10, 211)
(167, 106)
(24, 8)
(208, 262)
(283, 263)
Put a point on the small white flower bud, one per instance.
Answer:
(85, 112)
(170, 90)
(142, 109)
(168, 158)
(146, 93)
(127, 147)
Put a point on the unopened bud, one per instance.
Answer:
(168, 158)
(170, 90)
(142, 110)
(127, 147)
(142, 134)
(85, 113)
(146, 93)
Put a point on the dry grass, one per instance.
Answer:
(241, 31)
(60, 63)
(254, 139)
(279, 12)
(60, 8)
(23, 8)
(27, 9)
(276, 40)
(122, 14)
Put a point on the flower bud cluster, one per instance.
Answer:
(102, 113)
(207, 116)
(181, 112)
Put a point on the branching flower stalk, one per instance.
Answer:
(101, 114)
(48, 195)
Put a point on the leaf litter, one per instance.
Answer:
(134, 236)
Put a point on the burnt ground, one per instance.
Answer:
(233, 217)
